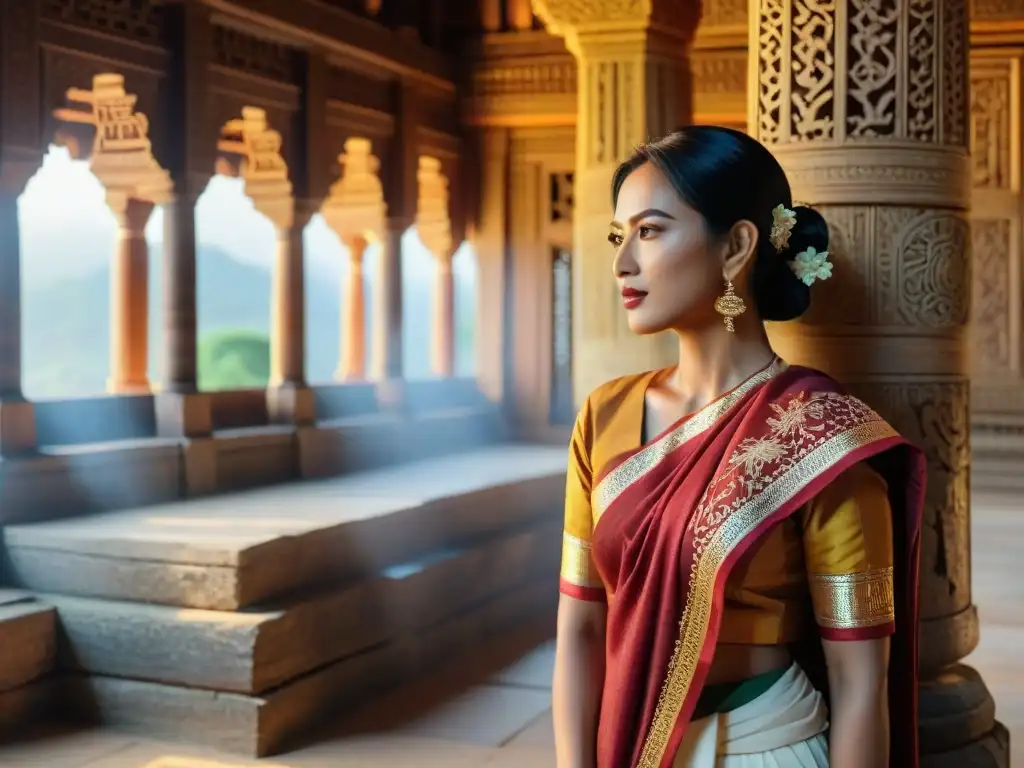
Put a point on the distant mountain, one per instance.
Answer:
(66, 322)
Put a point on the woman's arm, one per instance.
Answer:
(859, 707)
(848, 546)
(578, 680)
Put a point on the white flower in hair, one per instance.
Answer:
(783, 221)
(809, 265)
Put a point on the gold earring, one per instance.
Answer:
(729, 305)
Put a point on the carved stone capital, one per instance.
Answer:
(571, 18)
(131, 213)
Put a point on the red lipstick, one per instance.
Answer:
(632, 298)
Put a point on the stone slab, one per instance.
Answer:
(254, 651)
(265, 725)
(27, 639)
(237, 550)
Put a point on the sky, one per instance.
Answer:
(66, 190)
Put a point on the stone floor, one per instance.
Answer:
(494, 712)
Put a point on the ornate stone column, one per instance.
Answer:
(443, 337)
(434, 227)
(633, 84)
(865, 105)
(17, 420)
(129, 296)
(355, 211)
(352, 354)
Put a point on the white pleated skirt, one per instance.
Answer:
(782, 728)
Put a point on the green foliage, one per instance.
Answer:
(233, 360)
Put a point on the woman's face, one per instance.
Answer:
(667, 268)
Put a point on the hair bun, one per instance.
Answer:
(810, 231)
(779, 294)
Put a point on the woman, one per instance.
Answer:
(739, 568)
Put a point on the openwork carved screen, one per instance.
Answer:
(562, 410)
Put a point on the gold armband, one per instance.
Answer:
(852, 601)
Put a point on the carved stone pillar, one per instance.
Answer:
(289, 400)
(129, 296)
(181, 411)
(865, 105)
(387, 306)
(634, 84)
(443, 337)
(352, 354)
(17, 420)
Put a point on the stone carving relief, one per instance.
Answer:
(122, 154)
(899, 266)
(813, 66)
(562, 17)
(139, 20)
(433, 223)
(922, 116)
(993, 289)
(251, 149)
(355, 206)
(871, 66)
(724, 13)
(991, 130)
(954, 72)
(718, 71)
(525, 79)
(879, 43)
(774, 54)
(935, 416)
(254, 55)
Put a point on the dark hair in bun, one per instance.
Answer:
(727, 176)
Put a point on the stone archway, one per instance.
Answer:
(250, 149)
(121, 157)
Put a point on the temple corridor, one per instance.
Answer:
(494, 712)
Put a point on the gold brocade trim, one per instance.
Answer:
(578, 563)
(806, 439)
(853, 600)
(642, 462)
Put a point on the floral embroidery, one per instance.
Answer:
(803, 424)
(783, 221)
(810, 265)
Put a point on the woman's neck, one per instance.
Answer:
(713, 361)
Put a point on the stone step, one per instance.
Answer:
(275, 721)
(27, 639)
(27, 656)
(238, 550)
(254, 651)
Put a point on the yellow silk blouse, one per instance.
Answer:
(830, 563)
